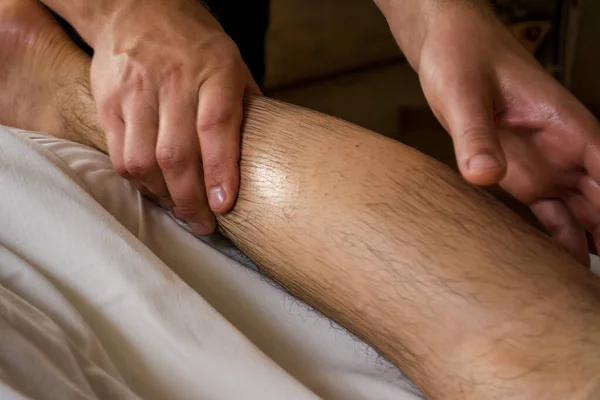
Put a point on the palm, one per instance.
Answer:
(549, 144)
(496, 100)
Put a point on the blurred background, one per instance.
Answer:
(338, 57)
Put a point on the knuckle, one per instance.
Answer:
(107, 105)
(231, 65)
(223, 53)
(220, 44)
(121, 169)
(216, 118)
(218, 121)
(475, 132)
(171, 157)
(477, 138)
(131, 77)
(139, 167)
(172, 70)
(137, 81)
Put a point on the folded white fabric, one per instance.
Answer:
(103, 295)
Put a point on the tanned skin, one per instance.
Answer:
(449, 285)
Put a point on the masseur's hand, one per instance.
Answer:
(510, 121)
(169, 86)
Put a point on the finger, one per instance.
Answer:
(590, 189)
(563, 227)
(178, 155)
(586, 214)
(218, 125)
(115, 139)
(468, 110)
(114, 144)
(139, 153)
(111, 119)
(591, 155)
(252, 87)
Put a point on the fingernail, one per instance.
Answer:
(216, 197)
(200, 229)
(483, 161)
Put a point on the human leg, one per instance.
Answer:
(455, 290)
(33, 93)
(309, 347)
(446, 283)
(101, 308)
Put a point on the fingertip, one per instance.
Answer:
(202, 229)
(564, 228)
(217, 199)
(221, 197)
(203, 225)
(576, 248)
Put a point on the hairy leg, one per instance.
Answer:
(42, 75)
(449, 285)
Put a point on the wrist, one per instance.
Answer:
(88, 17)
(129, 20)
(411, 21)
(106, 12)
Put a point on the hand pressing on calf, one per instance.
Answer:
(169, 86)
(510, 121)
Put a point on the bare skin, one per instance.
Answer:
(26, 35)
(169, 87)
(510, 121)
(446, 283)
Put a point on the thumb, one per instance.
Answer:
(470, 121)
(479, 155)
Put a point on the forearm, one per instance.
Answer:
(91, 18)
(88, 17)
(410, 20)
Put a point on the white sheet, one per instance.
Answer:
(141, 306)
(103, 296)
